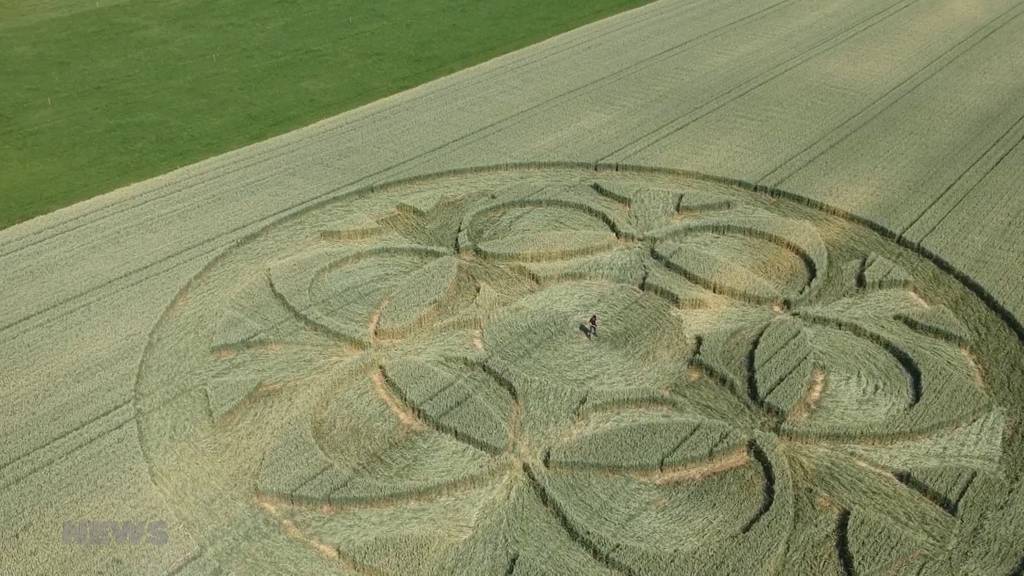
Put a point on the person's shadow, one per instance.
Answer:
(585, 329)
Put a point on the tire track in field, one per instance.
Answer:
(715, 103)
(108, 283)
(293, 147)
(984, 175)
(711, 103)
(645, 63)
(1004, 136)
(117, 424)
(408, 160)
(869, 113)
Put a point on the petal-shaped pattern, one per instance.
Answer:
(977, 445)
(651, 445)
(417, 298)
(415, 388)
(944, 381)
(938, 321)
(470, 403)
(510, 526)
(435, 225)
(749, 255)
(851, 380)
(266, 367)
(531, 230)
(260, 348)
(862, 489)
(340, 291)
(692, 493)
(652, 208)
(880, 272)
(366, 446)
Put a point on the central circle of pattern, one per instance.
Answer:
(404, 381)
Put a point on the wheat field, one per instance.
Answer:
(363, 347)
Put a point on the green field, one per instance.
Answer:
(99, 94)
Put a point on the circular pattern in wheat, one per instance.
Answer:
(403, 380)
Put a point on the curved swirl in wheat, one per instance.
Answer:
(402, 381)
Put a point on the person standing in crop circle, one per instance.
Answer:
(593, 325)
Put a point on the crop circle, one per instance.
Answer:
(402, 380)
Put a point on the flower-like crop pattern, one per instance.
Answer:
(405, 382)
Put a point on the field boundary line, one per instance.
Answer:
(411, 159)
(320, 129)
(314, 200)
